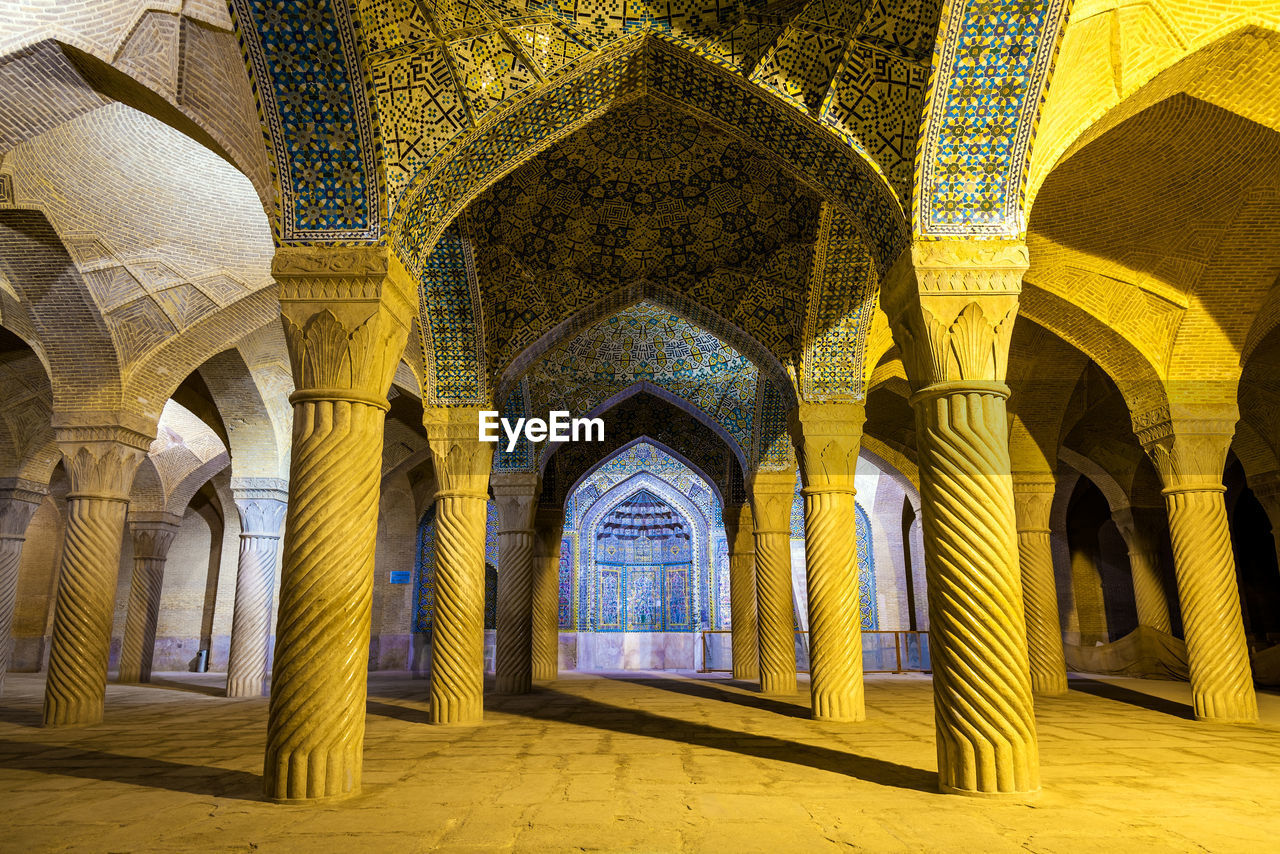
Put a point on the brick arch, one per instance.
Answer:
(239, 399)
(213, 104)
(646, 67)
(1082, 104)
(83, 365)
(1139, 381)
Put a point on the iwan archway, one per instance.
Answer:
(643, 564)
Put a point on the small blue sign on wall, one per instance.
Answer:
(400, 576)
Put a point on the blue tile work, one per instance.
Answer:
(424, 569)
(842, 302)
(643, 466)
(646, 343)
(797, 511)
(449, 317)
(644, 560)
(566, 583)
(772, 449)
(305, 58)
(991, 71)
(868, 604)
(523, 457)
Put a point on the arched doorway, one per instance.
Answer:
(643, 566)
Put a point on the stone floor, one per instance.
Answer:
(642, 762)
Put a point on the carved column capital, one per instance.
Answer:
(347, 314)
(1033, 500)
(772, 494)
(262, 503)
(461, 460)
(828, 437)
(1266, 488)
(153, 533)
(1189, 453)
(515, 493)
(19, 500)
(101, 460)
(952, 305)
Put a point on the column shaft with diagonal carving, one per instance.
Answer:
(462, 465)
(100, 463)
(827, 438)
(261, 503)
(1033, 503)
(548, 527)
(1140, 526)
(739, 529)
(952, 305)
(771, 496)
(19, 500)
(347, 314)
(1190, 453)
(152, 535)
(516, 496)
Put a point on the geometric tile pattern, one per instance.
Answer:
(442, 70)
(655, 419)
(643, 559)
(448, 317)
(991, 72)
(660, 70)
(772, 450)
(644, 467)
(643, 194)
(647, 343)
(842, 300)
(311, 93)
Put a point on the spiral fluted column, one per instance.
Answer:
(1190, 452)
(1139, 527)
(462, 464)
(771, 497)
(152, 535)
(952, 306)
(261, 504)
(739, 529)
(548, 526)
(100, 463)
(19, 500)
(827, 438)
(516, 496)
(347, 313)
(1033, 504)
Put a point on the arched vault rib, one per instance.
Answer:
(1139, 381)
(645, 67)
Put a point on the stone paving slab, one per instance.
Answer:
(656, 762)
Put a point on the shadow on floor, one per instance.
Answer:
(408, 714)
(706, 691)
(33, 718)
(136, 770)
(188, 687)
(1120, 694)
(590, 713)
